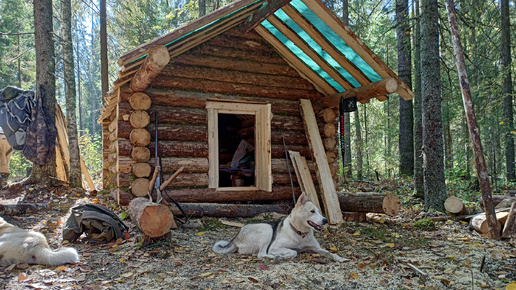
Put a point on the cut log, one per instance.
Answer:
(454, 206)
(354, 216)
(497, 198)
(156, 61)
(227, 210)
(509, 230)
(329, 130)
(139, 119)
(122, 197)
(140, 154)
(140, 186)
(22, 208)
(369, 202)
(140, 101)
(479, 222)
(330, 143)
(154, 220)
(142, 169)
(194, 195)
(507, 202)
(140, 137)
(328, 115)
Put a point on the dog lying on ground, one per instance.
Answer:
(22, 246)
(281, 239)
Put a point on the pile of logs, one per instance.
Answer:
(505, 208)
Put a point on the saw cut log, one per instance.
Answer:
(455, 206)
(369, 202)
(142, 169)
(139, 187)
(155, 62)
(154, 220)
(140, 154)
(509, 230)
(139, 119)
(122, 197)
(479, 222)
(140, 137)
(140, 101)
(227, 210)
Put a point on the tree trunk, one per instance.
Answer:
(419, 190)
(104, 72)
(154, 220)
(406, 135)
(505, 27)
(45, 75)
(75, 178)
(434, 180)
(483, 176)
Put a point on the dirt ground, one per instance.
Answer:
(385, 252)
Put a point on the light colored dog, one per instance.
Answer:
(22, 246)
(281, 239)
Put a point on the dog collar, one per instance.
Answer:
(303, 235)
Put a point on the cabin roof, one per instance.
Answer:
(305, 32)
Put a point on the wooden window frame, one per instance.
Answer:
(263, 115)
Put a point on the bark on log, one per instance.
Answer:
(497, 198)
(506, 202)
(156, 61)
(123, 179)
(227, 210)
(140, 101)
(479, 222)
(139, 119)
(154, 220)
(509, 230)
(141, 170)
(122, 197)
(454, 206)
(180, 132)
(190, 164)
(139, 187)
(369, 202)
(140, 137)
(194, 195)
(22, 208)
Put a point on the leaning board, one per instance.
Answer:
(329, 193)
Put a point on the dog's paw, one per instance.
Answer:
(339, 259)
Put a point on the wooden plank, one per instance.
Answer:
(330, 70)
(330, 19)
(264, 12)
(213, 148)
(304, 178)
(263, 170)
(314, 78)
(200, 22)
(329, 193)
(324, 44)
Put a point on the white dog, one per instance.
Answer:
(22, 246)
(282, 239)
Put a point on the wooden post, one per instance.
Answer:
(329, 194)
(483, 176)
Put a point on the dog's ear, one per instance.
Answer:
(302, 199)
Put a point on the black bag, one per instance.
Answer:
(96, 221)
(40, 144)
(16, 109)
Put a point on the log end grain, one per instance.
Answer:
(140, 186)
(391, 205)
(454, 206)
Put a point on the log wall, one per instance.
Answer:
(230, 66)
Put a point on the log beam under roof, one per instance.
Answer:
(264, 12)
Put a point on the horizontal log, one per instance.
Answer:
(212, 195)
(227, 210)
(139, 154)
(363, 93)
(242, 72)
(154, 220)
(180, 98)
(169, 164)
(124, 111)
(189, 179)
(235, 52)
(168, 114)
(123, 179)
(200, 84)
(22, 208)
(181, 132)
(139, 119)
(279, 165)
(369, 202)
(140, 101)
(139, 137)
(182, 148)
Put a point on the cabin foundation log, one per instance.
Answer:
(227, 210)
(196, 195)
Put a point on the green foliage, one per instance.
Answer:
(425, 224)
(91, 148)
(19, 166)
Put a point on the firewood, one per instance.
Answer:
(454, 206)
(369, 202)
(479, 222)
(509, 230)
(154, 220)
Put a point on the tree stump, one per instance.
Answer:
(153, 219)
(454, 206)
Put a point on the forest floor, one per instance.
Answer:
(385, 252)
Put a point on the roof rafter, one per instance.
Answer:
(265, 11)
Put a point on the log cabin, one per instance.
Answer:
(232, 92)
